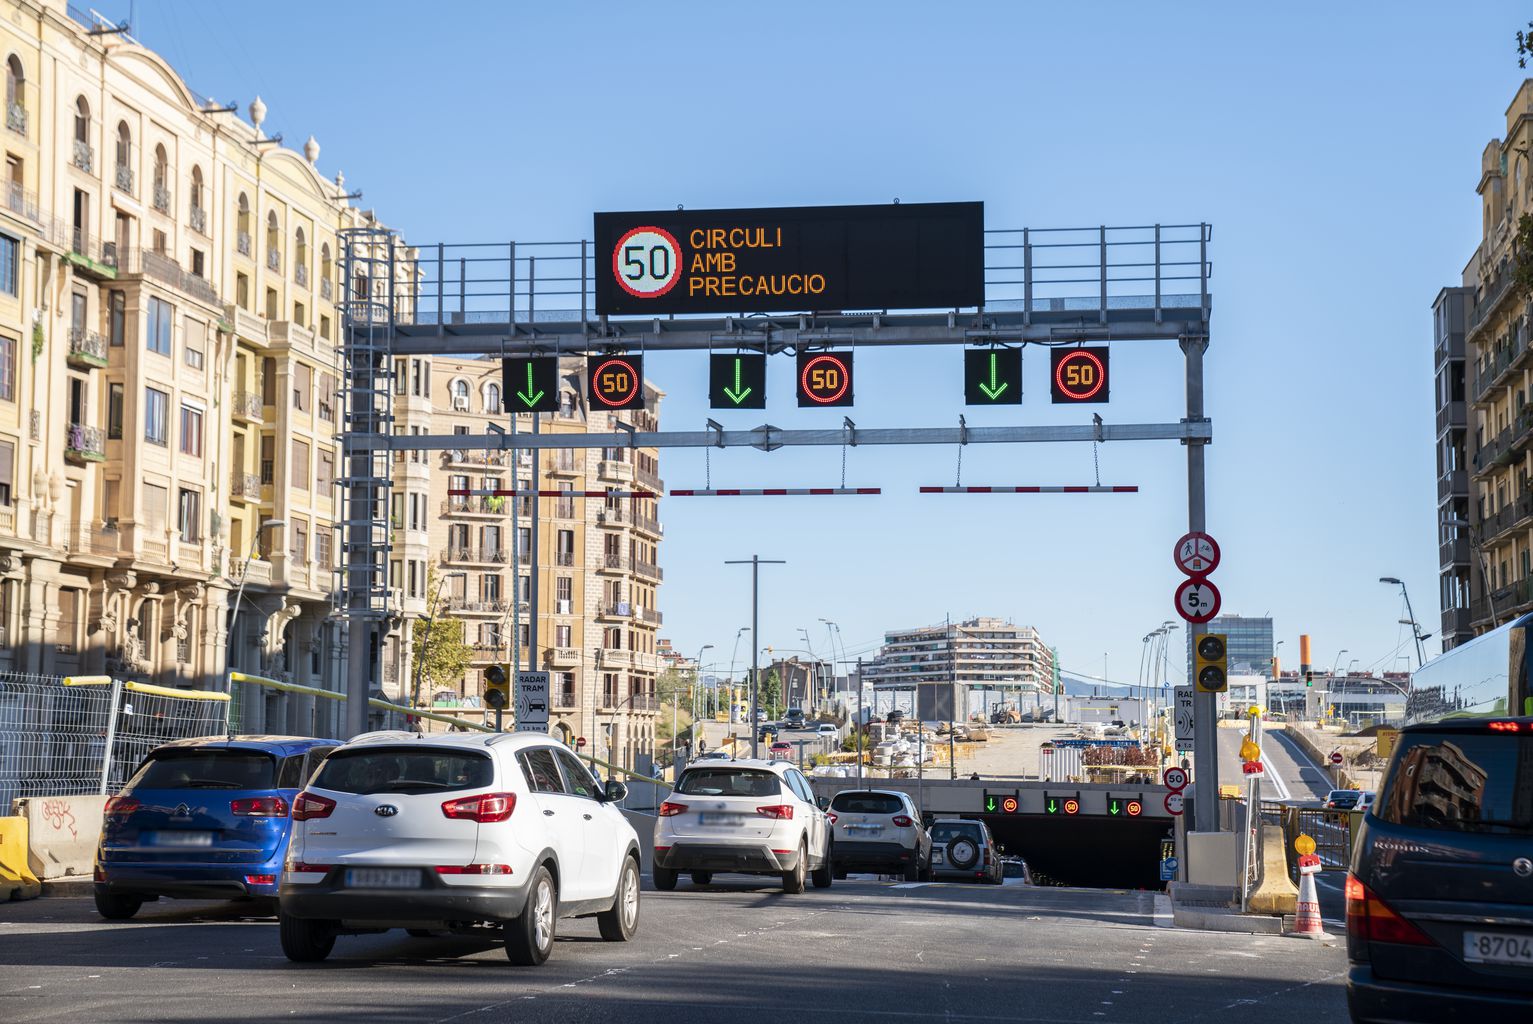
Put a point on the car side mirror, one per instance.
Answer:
(824, 803)
(616, 792)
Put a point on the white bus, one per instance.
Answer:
(1484, 677)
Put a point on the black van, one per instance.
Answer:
(1440, 895)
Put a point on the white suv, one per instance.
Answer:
(755, 817)
(879, 830)
(508, 831)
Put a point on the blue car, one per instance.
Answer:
(203, 819)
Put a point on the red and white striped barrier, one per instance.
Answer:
(769, 492)
(522, 492)
(1132, 489)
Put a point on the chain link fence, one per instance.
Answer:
(67, 736)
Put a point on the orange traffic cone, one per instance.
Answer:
(1308, 922)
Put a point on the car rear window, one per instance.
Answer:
(206, 768)
(728, 782)
(403, 770)
(867, 803)
(1461, 782)
(947, 833)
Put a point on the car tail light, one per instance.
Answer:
(121, 806)
(485, 807)
(670, 810)
(473, 869)
(259, 807)
(311, 805)
(901, 821)
(260, 879)
(1370, 919)
(311, 869)
(98, 873)
(782, 812)
(831, 815)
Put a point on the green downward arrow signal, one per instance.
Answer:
(1053, 807)
(1112, 808)
(736, 394)
(529, 396)
(992, 390)
(989, 803)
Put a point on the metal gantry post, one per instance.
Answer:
(755, 562)
(1205, 706)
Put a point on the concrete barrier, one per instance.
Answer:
(644, 825)
(1276, 894)
(16, 879)
(62, 833)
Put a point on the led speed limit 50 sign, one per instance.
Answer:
(1078, 375)
(615, 382)
(824, 379)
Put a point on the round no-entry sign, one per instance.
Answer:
(580, 741)
(1175, 779)
(1336, 757)
(1197, 600)
(1196, 554)
(1174, 803)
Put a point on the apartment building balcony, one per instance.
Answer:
(242, 243)
(613, 563)
(87, 349)
(649, 481)
(564, 558)
(466, 606)
(326, 289)
(159, 267)
(19, 201)
(88, 254)
(651, 616)
(617, 659)
(475, 555)
(644, 524)
(648, 570)
(565, 698)
(564, 657)
(613, 471)
(1494, 454)
(614, 516)
(16, 118)
(1454, 483)
(123, 179)
(102, 541)
(300, 275)
(84, 157)
(273, 259)
(1453, 552)
(253, 572)
(621, 610)
(161, 197)
(466, 458)
(1450, 415)
(475, 507)
(84, 444)
(563, 464)
(247, 406)
(644, 702)
(1456, 621)
(245, 487)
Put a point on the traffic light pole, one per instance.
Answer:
(1205, 706)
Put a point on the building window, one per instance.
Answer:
(492, 398)
(327, 397)
(161, 197)
(191, 431)
(15, 95)
(268, 381)
(301, 465)
(303, 378)
(326, 472)
(196, 340)
(7, 470)
(124, 155)
(10, 249)
(199, 214)
(268, 460)
(114, 412)
(189, 515)
(161, 316)
(322, 553)
(82, 123)
(271, 303)
(324, 327)
(199, 263)
(300, 543)
(242, 291)
(156, 416)
(117, 318)
(7, 368)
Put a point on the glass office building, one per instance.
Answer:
(1250, 644)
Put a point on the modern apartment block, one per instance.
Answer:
(980, 653)
(597, 558)
(1499, 423)
(1458, 518)
(169, 278)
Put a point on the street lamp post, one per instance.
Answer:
(756, 562)
(1415, 628)
(696, 681)
(239, 595)
(420, 662)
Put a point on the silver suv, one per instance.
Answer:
(879, 830)
(965, 849)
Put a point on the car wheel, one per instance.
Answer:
(793, 881)
(824, 873)
(117, 907)
(840, 874)
(928, 873)
(665, 879)
(305, 941)
(530, 938)
(621, 923)
(702, 877)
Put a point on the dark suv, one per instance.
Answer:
(1440, 896)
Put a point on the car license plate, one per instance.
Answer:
(938, 857)
(383, 878)
(865, 828)
(720, 820)
(180, 839)
(1498, 948)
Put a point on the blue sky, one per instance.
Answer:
(1335, 149)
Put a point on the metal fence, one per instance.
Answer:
(63, 737)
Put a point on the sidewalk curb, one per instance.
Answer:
(69, 887)
(1225, 921)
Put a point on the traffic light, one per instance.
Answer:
(1309, 679)
(1213, 663)
(497, 687)
(1124, 806)
(1061, 803)
(1002, 803)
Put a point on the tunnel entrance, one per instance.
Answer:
(1109, 853)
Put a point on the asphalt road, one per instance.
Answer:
(1290, 777)
(733, 951)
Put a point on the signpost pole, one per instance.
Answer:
(1205, 784)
